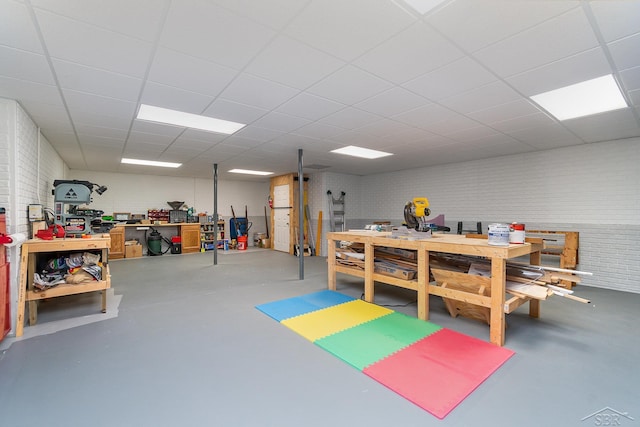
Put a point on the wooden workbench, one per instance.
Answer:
(447, 243)
(26, 290)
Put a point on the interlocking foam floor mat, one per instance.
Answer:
(433, 367)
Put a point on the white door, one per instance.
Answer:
(281, 217)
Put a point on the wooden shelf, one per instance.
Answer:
(28, 294)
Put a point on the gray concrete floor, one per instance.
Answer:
(183, 345)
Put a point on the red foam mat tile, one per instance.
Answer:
(439, 371)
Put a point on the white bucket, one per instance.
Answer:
(516, 233)
(498, 235)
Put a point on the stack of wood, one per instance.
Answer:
(388, 261)
(524, 282)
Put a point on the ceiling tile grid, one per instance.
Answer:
(448, 86)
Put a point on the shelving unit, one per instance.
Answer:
(158, 215)
(207, 238)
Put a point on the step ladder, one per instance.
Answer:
(336, 211)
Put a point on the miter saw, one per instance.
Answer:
(75, 221)
(416, 213)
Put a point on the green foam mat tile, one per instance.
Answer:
(370, 342)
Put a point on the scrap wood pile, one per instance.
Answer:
(388, 261)
(523, 280)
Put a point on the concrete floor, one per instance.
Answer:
(183, 345)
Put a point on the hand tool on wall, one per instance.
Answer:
(312, 245)
(235, 222)
(266, 221)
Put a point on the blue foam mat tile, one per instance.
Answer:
(296, 306)
(326, 298)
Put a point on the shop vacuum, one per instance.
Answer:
(154, 243)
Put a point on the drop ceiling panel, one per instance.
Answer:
(318, 130)
(393, 101)
(174, 98)
(474, 133)
(423, 117)
(80, 101)
(506, 111)
(259, 133)
(241, 142)
(452, 79)
(89, 117)
(360, 139)
(347, 29)
(142, 126)
(201, 135)
(95, 81)
(281, 122)
(274, 13)
(523, 122)
(405, 56)
(192, 144)
(98, 131)
(102, 143)
(382, 127)
(179, 155)
(92, 46)
(350, 118)
(138, 139)
(631, 78)
(293, 63)
(16, 29)
(616, 18)
(540, 45)
(257, 92)
(190, 73)
(204, 30)
(23, 65)
(138, 19)
(583, 66)
(29, 93)
(310, 106)
(605, 126)
(349, 85)
(234, 111)
(484, 97)
(546, 137)
(625, 52)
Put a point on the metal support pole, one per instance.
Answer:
(300, 216)
(215, 214)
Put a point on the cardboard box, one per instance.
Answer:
(133, 251)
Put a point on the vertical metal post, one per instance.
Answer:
(300, 216)
(215, 214)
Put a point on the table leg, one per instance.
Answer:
(368, 272)
(22, 290)
(331, 264)
(534, 304)
(423, 284)
(498, 283)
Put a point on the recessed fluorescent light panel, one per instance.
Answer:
(250, 172)
(193, 121)
(151, 163)
(582, 99)
(423, 6)
(366, 153)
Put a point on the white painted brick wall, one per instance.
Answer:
(593, 189)
(19, 144)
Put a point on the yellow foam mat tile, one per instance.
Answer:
(321, 323)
